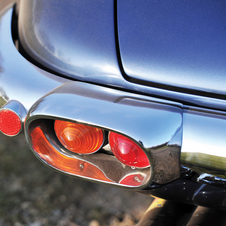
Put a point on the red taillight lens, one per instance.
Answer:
(64, 163)
(133, 180)
(127, 151)
(78, 138)
(10, 123)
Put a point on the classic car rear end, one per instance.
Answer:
(130, 94)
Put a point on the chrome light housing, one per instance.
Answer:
(151, 124)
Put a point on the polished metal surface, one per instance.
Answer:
(27, 78)
(153, 124)
(204, 143)
(176, 43)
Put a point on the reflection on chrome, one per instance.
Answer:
(212, 180)
(204, 143)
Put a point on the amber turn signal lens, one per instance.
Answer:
(127, 151)
(10, 123)
(79, 138)
(64, 163)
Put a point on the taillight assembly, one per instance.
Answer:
(76, 149)
(79, 138)
(134, 140)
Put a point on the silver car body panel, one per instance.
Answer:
(60, 44)
(181, 44)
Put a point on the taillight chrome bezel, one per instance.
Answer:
(154, 125)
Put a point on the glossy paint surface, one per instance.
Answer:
(27, 78)
(75, 38)
(176, 43)
(20, 80)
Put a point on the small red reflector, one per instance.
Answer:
(59, 161)
(79, 138)
(133, 180)
(10, 123)
(127, 151)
